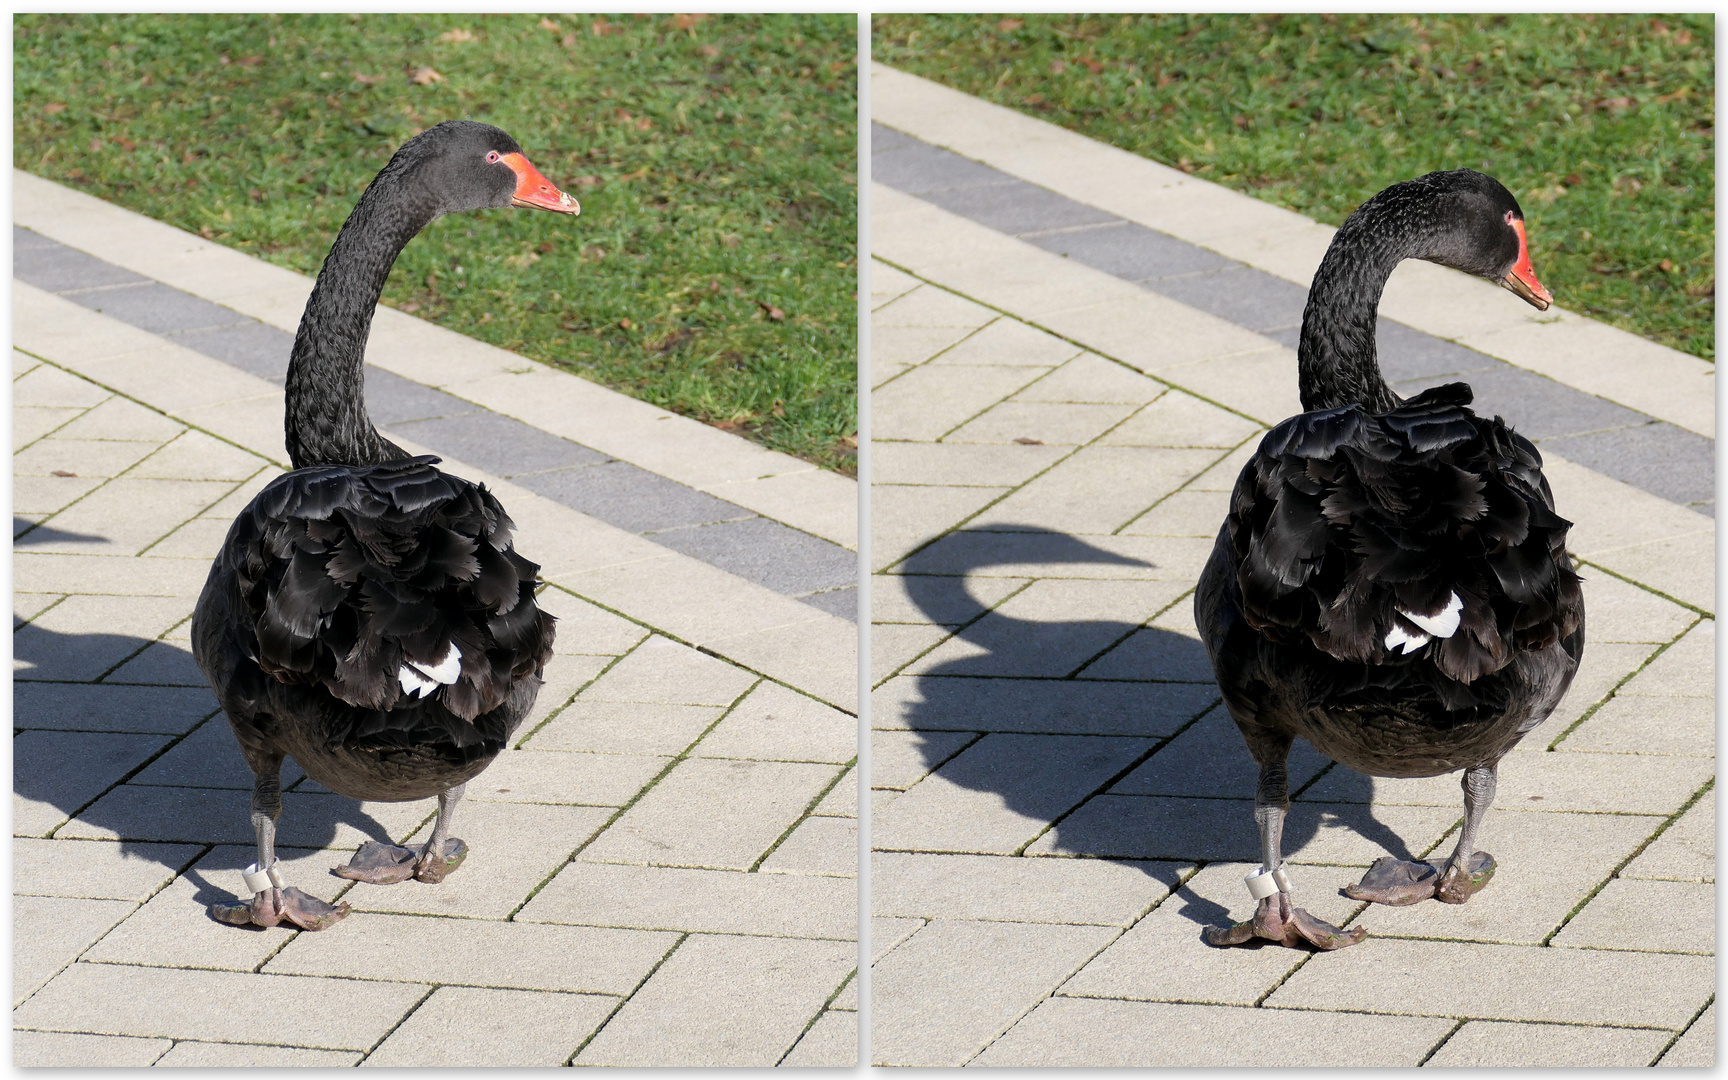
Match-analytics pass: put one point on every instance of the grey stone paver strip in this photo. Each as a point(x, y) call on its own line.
point(948, 990)
point(1075, 1031)
point(53, 1049)
point(727, 1000)
point(467, 1026)
point(1045, 591)
point(131, 782)
point(1495, 1043)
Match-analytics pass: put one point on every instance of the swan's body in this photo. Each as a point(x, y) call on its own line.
point(368, 615)
point(1391, 583)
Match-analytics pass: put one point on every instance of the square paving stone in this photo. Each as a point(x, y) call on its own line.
point(1535, 780)
point(1657, 916)
point(894, 645)
point(842, 798)
point(1493, 1044)
point(1077, 891)
point(1153, 653)
point(175, 928)
point(1510, 982)
point(952, 988)
point(56, 773)
point(928, 402)
point(1156, 827)
point(165, 710)
point(1621, 611)
point(998, 794)
point(831, 1042)
point(512, 849)
point(464, 1026)
point(589, 628)
point(1099, 489)
point(223, 815)
point(160, 664)
point(560, 777)
point(621, 727)
point(50, 932)
point(1050, 423)
point(1636, 724)
point(53, 1049)
point(190, 1054)
point(209, 757)
point(1074, 1031)
point(1050, 630)
point(1012, 343)
point(95, 869)
point(479, 952)
point(699, 901)
point(1686, 851)
point(116, 999)
point(899, 759)
point(714, 813)
point(776, 723)
point(1064, 707)
point(664, 672)
point(1209, 759)
point(1548, 864)
point(1164, 958)
point(960, 463)
point(819, 845)
point(82, 637)
point(724, 1000)
point(1687, 667)
point(83, 457)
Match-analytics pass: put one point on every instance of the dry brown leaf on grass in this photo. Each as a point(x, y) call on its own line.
point(686, 22)
point(54, 107)
point(368, 80)
point(548, 24)
point(425, 77)
point(1008, 26)
point(458, 34)
point(774, 314)
point(710, 51)
point(600, 28)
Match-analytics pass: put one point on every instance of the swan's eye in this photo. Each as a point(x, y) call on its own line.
point(1510, 217)
point(495, 156)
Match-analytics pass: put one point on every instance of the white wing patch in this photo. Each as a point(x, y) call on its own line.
point(421, 679)
point(1411, 642)
point(1445, 624)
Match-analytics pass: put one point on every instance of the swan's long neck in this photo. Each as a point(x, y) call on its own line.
point(1336, 363)
point(326, 421)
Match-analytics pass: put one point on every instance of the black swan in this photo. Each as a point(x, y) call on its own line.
point(1391, 583)
point(367, 614)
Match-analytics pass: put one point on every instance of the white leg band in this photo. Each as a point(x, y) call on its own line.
point(258, 880)
point(1263, 883)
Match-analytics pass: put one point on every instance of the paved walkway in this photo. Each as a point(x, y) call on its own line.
point(664, 865)
point(1060, 803)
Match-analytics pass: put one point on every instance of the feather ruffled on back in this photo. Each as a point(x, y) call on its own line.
point(349, 574)
point(1360, 533)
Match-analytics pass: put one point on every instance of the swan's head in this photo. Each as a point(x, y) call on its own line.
point(1477, 227)
point(472, 166)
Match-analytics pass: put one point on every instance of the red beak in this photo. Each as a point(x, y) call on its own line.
point(1521, 279)
point(536, 191)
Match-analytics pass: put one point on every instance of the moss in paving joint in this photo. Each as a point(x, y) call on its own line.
point(1678, 1035)
point(958, 631)
point(805, 1030)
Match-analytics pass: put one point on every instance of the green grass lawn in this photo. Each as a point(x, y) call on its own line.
point(1602, 125)
point(713, 270)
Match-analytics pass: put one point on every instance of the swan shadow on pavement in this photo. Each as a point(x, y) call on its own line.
point(154, 765)
point(1144, 765)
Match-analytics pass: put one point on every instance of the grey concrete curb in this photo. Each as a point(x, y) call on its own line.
point(1630, 446)
point(815, 571)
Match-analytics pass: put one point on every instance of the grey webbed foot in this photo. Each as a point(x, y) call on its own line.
point(1397, 883)
point(272, 907)
point(1278, 919)
point(387, 864)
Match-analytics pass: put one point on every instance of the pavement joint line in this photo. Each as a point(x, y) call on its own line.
point(809, 811)
point(1648, 464)
point(1678, 1035)
point(1592, 564)
point(625, 999)
point(952, 634)
point(1614, 691)
point(811, 557)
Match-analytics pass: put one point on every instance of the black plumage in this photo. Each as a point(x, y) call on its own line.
point(1391, 582)
point(368, 614)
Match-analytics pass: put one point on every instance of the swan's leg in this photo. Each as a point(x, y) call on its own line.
point(387, 864)
point(443, 853)
point(273, 903)
point(1277, 918)
point(1396, 882)
point(1468, 870)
